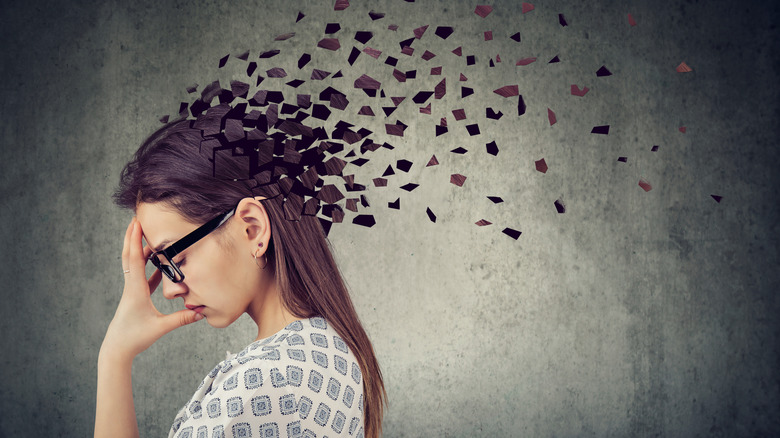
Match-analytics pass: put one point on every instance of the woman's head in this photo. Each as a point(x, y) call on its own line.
point(171, 185)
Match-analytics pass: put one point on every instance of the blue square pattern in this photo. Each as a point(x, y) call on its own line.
point(309, 434)
point(213, 409)
point(277, 378)
point(334, 387)
point(295, 326)
point(349, 396)
point(271, 355)
point(294, 430)
point(296, 354)
point(185, 433)
point(269, 430)
point(319, 340)
point(231, 383)
point(195, 409)
point(340, 344)
point(353, 424)
point(234, 406)
point(320, 358)
point(360, 433)
point(242, 430)
point(315, 381)
point(318, 322)
point(295, 339)
point(261, 405)
point(203, 432)
point(356, 373)
point(287, 404)
point(340, 364)
point(304, 407)
point(294, 375)
point(218, 432)
point(339, 420)
point(253, 378)
point(322, 414)
point(177, 424)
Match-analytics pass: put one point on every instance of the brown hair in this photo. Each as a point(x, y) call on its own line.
point(171, 167)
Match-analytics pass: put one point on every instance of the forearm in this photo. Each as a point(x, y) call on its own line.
point(115, 411)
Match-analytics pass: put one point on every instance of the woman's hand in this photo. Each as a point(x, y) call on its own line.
point(137, 324)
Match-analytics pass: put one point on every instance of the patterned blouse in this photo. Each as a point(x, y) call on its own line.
point(301, 382)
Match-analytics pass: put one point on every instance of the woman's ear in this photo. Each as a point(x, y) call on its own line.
point(256, 225)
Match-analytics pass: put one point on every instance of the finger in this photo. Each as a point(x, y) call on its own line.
point(126, 246)
point(179, 319)
point(136, 261)
point(154, 281)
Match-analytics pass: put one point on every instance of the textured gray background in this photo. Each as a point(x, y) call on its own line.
point(642, 314)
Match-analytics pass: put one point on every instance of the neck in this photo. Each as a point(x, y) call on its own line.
point(269, 313)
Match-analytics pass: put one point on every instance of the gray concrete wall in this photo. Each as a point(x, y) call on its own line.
point(632, 314)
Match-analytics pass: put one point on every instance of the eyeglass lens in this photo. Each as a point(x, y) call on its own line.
point(166, 267)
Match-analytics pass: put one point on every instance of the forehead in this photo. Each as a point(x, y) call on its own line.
point(161, 225)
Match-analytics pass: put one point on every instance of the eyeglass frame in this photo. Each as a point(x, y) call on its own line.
point(185, 242)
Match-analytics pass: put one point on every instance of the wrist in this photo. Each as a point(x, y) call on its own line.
point(112, 357)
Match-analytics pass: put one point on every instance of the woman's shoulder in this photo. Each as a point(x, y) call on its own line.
point(305, 369)
point(303, 345)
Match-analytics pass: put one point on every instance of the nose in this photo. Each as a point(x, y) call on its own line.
point(173, 290)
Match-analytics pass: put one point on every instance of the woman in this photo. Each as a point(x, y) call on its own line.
point(226, 246)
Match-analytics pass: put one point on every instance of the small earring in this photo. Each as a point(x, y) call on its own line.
point(266, 261)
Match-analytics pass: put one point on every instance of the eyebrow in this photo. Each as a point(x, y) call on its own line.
point(162, 245)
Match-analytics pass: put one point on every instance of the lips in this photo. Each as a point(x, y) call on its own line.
point(195, 308)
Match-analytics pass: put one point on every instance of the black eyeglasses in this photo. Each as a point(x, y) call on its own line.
point(163, 259)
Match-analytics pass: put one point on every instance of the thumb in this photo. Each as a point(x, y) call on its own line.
point(179, 319)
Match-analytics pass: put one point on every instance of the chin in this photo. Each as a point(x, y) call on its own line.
point(218, 322)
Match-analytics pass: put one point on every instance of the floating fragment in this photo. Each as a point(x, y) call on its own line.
point(645, 185)
point(284, 36)
point(717, 198)
point(420, 31)
point(577, 91)
point(457, 179)
point(525, 61)
point(631, 20)
point(603, 72)
point(329, 44)
point(511, 233)
point(363, 36)
point(603, 129)
point(559, 207)
point(372, 52)
point(430, 214)
point(495, 199)
point(551, 116)
point(483, 10)
point(492, 148)
point(541, 165)
point(482, 223)
point(683, 68)
point(507, 90)
point(432, 162)
point(444, 32)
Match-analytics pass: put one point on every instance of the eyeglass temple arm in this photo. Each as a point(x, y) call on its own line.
point(197, 234)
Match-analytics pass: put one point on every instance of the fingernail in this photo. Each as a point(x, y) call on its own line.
point(198, 317)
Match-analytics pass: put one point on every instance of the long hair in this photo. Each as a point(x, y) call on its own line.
point(171, 167)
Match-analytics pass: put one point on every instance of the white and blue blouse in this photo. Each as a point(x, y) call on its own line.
point(301, 382)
